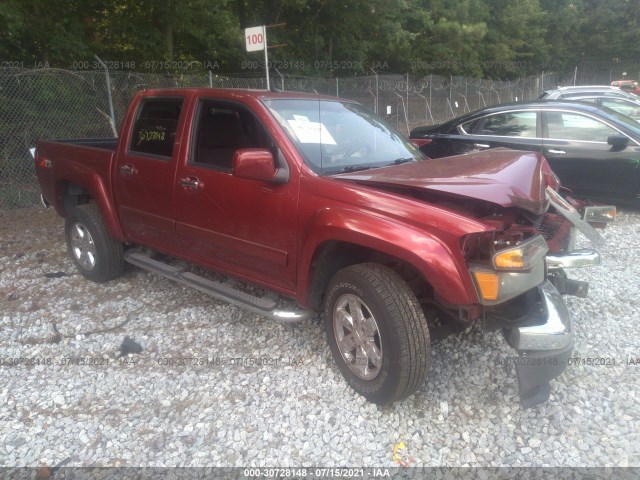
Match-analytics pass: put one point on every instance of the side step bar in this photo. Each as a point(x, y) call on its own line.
point(265, 306)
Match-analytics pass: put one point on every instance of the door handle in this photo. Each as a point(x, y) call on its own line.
point(481, 145)
point(557, 152)
point(128, 170)
point(191, 183)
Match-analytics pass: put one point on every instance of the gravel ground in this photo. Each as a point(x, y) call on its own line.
point(147, 409)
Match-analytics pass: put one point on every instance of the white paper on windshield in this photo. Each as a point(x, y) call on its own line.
point(311, 132)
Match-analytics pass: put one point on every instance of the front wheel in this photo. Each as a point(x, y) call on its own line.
point(377, 332)
point(96, 254)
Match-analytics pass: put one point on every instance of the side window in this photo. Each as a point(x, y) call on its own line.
point(586, 99)
point(469, 126)
point(572, 126)
point(221, 129)
point(512, 124)
point(154, 131)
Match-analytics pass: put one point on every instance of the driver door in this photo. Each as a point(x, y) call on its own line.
point(245, 226)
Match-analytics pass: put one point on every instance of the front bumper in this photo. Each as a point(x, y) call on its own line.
point(585, 257)
point(550, 325)
point(544, 344)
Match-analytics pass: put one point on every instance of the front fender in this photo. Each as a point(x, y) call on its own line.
point(440, 264)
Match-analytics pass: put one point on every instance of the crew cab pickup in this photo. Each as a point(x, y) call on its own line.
point(321, 207)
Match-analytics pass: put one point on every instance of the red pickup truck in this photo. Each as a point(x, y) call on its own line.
point(320, 206)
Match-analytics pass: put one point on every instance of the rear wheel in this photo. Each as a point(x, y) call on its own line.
point(377, 332)
point(96, 254)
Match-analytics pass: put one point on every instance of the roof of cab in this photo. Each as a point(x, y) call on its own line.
point(238, 93)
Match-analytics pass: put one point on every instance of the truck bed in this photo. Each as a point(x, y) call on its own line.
point(81, 161)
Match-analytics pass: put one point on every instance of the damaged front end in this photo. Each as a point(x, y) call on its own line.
point(519, 273)
point(518, 265)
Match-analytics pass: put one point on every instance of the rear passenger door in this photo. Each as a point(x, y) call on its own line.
point(145, 169)
point(519, 130)
point(244, 226)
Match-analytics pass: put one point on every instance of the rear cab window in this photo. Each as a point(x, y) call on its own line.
point(155, 126)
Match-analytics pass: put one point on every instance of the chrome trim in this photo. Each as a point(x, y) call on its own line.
point(555, 333)
point(45, 203)
point(585, 257)
point(289, 316)
point(545, 109)
point(571, 214)
point(571, 243)
point(507, 136)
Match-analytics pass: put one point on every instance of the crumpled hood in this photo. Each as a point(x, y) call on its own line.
point(506, 177)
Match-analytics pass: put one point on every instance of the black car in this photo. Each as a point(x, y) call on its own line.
point(594, 151)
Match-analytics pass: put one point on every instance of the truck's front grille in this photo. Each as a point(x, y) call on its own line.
point(556, 230)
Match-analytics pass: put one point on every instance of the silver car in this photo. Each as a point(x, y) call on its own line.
point(568, 93)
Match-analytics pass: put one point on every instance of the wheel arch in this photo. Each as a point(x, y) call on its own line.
point(428, 266)
point(333, 255)
point(71, 192)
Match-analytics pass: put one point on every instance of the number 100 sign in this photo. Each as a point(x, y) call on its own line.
point(254, 38)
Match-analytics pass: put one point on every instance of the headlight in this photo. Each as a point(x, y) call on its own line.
point(600, 214)
point(521, 257)
point(512, 272)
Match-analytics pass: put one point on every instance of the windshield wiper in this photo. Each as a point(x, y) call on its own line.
point(399, 161)
point(355, 168)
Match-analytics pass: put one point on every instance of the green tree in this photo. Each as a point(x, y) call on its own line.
point(515, 40)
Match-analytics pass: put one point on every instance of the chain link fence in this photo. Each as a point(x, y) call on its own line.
point(56, 104)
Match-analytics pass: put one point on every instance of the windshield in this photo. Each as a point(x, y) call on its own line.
point(336, 137)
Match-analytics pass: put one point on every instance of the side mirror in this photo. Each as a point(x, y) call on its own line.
point(255, 164)
point(618, 142)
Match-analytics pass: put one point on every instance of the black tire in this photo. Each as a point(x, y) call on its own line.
point(402, 332)
point(107, 260)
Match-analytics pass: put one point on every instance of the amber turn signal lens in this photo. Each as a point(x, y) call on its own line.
point(523, 256)
point(488, 284)
point(511, 259)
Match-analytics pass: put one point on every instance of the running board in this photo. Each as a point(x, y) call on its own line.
point(265, 306)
